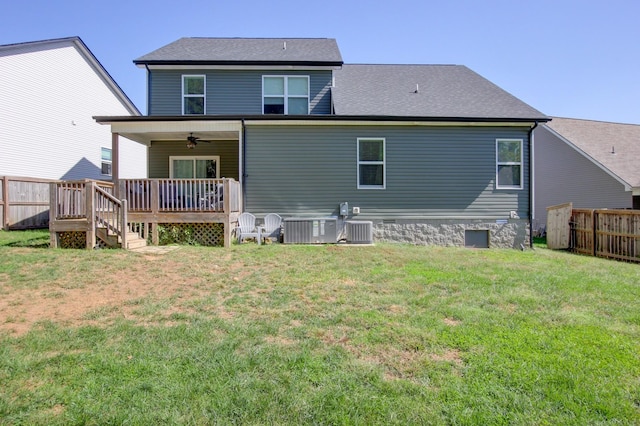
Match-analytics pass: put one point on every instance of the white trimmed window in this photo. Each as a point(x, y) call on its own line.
point(285, 94)
point(193, 94)
point(198, 167)
point(105, 154)
point(509, 164)
point(371, 163)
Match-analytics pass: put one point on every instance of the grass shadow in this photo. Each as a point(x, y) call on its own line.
point(25, 239)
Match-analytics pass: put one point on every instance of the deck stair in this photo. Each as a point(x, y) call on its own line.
point(133, 239)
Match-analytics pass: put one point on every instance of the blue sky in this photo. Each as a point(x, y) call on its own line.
point(567, 58)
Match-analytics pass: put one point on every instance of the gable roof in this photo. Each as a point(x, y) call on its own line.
point(246, 51)
point(613, 146)
point(445, 91)
point(17, 48)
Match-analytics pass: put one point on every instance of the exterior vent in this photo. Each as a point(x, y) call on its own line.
point(310, 231)
point(359, 232)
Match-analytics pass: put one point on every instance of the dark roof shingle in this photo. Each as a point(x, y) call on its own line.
point(447, 91)
point(313, 51)
point(615, 146)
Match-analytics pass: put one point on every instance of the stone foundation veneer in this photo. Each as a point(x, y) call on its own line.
point(515, 233)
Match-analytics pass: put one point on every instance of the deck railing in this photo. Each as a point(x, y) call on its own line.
point(70, 198)
point(111, 213)
point(181, 195)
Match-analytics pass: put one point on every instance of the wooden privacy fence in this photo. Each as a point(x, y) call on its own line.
point(605, 233)
point(24, 202)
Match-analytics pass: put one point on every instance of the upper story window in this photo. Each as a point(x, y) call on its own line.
point(509, 163)
point(371, 163)
point(285, 94)
point(193, 94)
point(105, 154)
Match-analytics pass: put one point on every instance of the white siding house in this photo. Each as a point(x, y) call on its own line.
point(49, 92)
point(592, 164)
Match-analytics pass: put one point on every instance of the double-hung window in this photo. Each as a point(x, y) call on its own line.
point(371, 163)
point(509, 163)
point(285, 94)
point(105, 154)
point(193, 94)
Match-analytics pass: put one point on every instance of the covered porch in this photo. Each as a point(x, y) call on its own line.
point(193, 182)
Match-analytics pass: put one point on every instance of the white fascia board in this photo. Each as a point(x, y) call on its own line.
point(239, 67)
point(384, 123)
point(106, 77)
point(627, 186)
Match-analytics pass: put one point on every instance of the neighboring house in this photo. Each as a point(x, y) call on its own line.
point(592, 164)
point(49, 92)
point(430, 154)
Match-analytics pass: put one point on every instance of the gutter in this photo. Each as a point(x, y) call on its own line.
point(531, 183)
point(321, 118)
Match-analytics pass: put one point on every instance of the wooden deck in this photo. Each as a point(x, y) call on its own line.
point(147, 204)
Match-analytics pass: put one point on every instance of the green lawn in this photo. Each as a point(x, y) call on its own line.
point(285, 334)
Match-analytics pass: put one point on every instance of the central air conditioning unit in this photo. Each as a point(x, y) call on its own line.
point(359, 232)
point(310, 230)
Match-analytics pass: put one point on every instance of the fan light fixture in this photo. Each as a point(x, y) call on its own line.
point(192, 141)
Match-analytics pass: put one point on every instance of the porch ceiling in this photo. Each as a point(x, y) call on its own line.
point(145, 132)
point(147, 137)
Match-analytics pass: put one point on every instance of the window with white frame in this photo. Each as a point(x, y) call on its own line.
point(105, 154)
point(193, 94)
point(509, 163)
point(285, 94)
point(371, 163)
point(198, 167)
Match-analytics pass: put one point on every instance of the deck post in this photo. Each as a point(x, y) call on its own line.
point(227, 211)
point(89, 189)
point(155, 207)
point(125, 225)
point(115, 162)
point(53, 208)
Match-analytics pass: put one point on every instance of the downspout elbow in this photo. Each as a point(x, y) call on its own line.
point(244, 164)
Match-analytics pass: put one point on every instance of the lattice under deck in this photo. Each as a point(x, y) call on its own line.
point(72, 239)
point(205, 234)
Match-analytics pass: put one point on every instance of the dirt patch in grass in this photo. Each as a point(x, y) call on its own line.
point(77, 300)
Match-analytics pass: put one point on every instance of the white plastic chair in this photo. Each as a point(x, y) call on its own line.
point(271, 227)
point(247, 228)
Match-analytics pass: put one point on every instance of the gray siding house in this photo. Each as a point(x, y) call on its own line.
point(429, 154)
point(592, 164)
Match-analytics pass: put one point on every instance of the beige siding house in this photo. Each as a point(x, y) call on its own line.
point(49, 92)
point(592, 164)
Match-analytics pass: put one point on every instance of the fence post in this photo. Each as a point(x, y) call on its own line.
point(4, 200)
point(594, 222)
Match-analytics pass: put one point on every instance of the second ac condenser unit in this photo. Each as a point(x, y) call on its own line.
point(359, 232)
point(310, 230)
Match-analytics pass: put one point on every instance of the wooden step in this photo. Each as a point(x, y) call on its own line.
point(134, 242)
point(133, 239)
